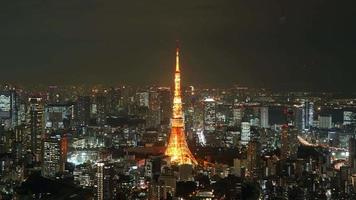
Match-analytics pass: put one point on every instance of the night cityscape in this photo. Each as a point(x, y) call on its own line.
point(186, 100)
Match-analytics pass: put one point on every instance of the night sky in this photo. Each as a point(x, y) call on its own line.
point(279, 44)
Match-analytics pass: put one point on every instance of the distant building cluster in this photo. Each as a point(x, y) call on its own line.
point(109, 142)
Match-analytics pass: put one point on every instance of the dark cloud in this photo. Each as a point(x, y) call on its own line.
point(305, 44)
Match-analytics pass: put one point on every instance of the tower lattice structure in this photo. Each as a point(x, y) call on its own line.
point(177, 148)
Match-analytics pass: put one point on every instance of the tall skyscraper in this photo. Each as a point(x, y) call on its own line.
point(264, 117)
point(177, 148)
point(154, 117)
point(349, 118)
point(237, 114)
point(209, 114)
point(36, 114)
point(8, 108)
point(101, 109)
point(83, 110)
point(105, 181)
point(308, 114)
point(143, 99)
point(165, 104)
point(100, 181)
point(289, 142)
point(245, 132)
point(52, 159)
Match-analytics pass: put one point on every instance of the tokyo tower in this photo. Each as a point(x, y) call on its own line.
point(177, 148)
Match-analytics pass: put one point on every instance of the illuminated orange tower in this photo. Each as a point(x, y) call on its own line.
point(177, 148)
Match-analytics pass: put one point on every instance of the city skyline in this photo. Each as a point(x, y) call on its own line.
point(177, 100)
point(305, 45)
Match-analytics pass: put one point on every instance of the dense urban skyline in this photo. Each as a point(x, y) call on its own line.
point(305, 45)
point(185, 100)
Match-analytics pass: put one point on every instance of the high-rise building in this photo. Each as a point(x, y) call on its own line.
point(245, 133)
point(143, 99)
point(299, 119)
point(264, 117)
point(101, 109)
point(83, 110)
point(289, 142)
point(154, 115)
point(308, 114)
point(8, 109)
point(349, 118)
point(237, 115)
point(177, 148)
point(253, 157)
point(209, 114)
point(105, 181)
point(21, 119)
point(113, 100)
point(100, 181)
point(165, 104)
point(36, 117)
point(52, 162)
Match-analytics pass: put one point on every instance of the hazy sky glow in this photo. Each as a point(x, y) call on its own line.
point(305, 44)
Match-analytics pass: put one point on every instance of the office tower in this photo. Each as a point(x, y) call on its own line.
point(253, 156)
point(264, 117)
point(142, 99)
point(83, 110)
point(113, 100)
point(245, 132)
point(100, 108)
point(165, 104)
point(177, 148)
point(307, 114)
point(237, 114)
point(289, 142)
point(349, 118)
point(222, 114)
point(7, 139)
point(36, 122)
point(52, 158)
point(325, 122)
point(21, 114)
point(8, 109)
point(20, 140)
point(154, 116)
point(209, 114)
point(100, 181)
point(107, 182)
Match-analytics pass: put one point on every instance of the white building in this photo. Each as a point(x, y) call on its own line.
point(209, 114)
point(245, 133)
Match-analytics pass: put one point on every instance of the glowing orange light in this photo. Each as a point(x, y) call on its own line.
point(177, 148)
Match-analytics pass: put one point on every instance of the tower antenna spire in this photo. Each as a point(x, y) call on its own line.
point(177, 56)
